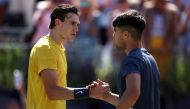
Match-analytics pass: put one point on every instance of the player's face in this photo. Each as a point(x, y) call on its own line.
point(118, 38)
point(69, 28)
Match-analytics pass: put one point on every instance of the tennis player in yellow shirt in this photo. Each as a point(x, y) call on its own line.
point(47, 85)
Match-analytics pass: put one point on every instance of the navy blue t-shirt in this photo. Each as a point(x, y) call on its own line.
point(142, 62)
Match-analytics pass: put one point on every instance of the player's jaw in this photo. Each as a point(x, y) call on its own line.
point(72, 37)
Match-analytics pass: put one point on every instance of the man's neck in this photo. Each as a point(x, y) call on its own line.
point(56, 38)
point(132, 46)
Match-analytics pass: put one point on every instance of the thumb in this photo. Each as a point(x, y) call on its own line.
point(100, 82)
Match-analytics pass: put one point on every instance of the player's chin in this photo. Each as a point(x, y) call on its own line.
point(71, 39)
point(115, 45)
point(118, 46)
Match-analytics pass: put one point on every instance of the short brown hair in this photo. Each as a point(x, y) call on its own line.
point(60, 12)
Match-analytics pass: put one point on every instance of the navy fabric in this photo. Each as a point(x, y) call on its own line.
point(141, 62)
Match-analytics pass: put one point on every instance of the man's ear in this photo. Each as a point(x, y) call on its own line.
point(57, 22)
point(125, 35)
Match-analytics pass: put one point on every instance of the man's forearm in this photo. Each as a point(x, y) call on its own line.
point(66, 93)
point(60, 93)
point(126, 102)
point(112, 99)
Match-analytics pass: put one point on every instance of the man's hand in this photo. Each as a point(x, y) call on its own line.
point(99, 89)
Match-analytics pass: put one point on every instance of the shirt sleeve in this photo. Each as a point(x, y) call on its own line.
point(131, 65)
point(46, 59)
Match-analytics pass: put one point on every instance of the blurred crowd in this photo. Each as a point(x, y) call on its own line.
point(92, 55)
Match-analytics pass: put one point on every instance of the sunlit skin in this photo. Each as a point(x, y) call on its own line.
point(123, 40)
point(61, 33)
point(118, 38)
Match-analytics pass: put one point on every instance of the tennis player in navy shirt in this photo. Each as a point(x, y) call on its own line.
point(138, 78)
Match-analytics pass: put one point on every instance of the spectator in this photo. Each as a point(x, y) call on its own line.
point(160, 32)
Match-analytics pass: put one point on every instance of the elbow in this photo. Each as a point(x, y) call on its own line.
point(136, 94)
point(51, 95)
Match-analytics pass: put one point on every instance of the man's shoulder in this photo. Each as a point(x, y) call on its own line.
point(133, 60)
point(136, 55)
point(43, 45)
point(43, 42)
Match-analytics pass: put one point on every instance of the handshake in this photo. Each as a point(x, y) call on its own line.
point(99, 90)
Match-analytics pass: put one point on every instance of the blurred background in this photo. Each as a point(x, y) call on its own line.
point(92, 55)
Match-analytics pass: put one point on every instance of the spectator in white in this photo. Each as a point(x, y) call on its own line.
point(24, 7)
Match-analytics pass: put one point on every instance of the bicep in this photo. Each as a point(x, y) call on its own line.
point(131, 92)
point(53, 91)
point(133, 82)
point(49, 78)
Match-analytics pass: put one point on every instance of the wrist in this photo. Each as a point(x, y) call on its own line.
point(80, 93)
point(107, 96)
point(91, 94)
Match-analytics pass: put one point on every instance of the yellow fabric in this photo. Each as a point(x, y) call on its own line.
point(156, 42)
point(164, 61)
point(46, 54)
